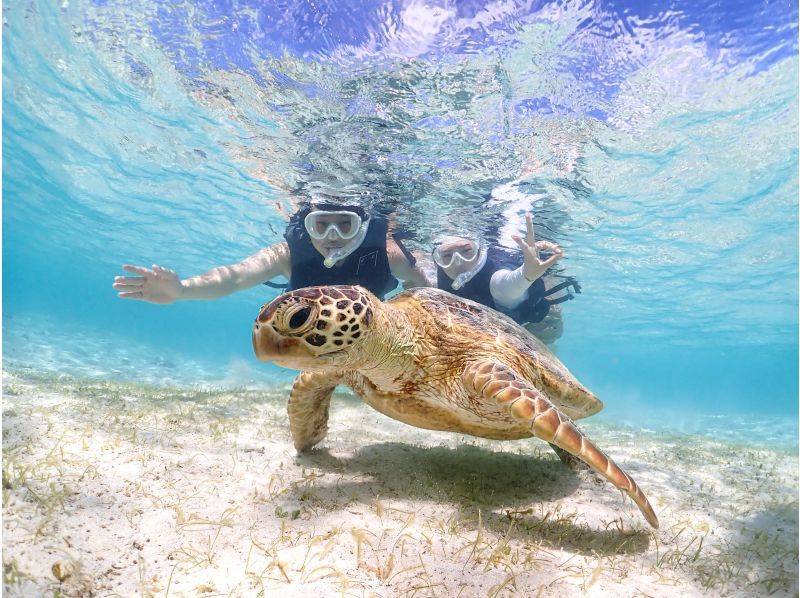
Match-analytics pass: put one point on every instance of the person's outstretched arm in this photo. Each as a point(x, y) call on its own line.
point(410, 276)
point(162, 285)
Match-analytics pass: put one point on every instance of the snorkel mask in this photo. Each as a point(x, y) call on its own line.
point(460, 252)
point(337, 224)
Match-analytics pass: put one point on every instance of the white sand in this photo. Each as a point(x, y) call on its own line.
point(121, 490)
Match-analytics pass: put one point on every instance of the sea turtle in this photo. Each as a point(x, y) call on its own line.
point(432, 360)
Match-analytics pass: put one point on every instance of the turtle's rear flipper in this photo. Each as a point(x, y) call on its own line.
point(571, 461)
point(493, 381)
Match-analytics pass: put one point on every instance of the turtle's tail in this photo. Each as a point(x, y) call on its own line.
point(526, 404)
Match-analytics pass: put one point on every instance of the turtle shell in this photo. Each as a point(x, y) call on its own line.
point(512, 344)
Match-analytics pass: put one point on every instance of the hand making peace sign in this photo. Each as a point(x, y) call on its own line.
point(535, 267)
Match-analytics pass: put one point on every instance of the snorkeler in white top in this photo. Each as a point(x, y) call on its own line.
point(470, 269)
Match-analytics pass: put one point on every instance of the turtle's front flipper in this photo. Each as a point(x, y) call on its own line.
point(497, 382)
point(308, 407)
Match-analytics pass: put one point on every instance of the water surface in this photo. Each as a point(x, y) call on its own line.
point(658, 145)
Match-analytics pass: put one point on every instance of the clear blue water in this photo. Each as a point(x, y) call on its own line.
point(660, 141)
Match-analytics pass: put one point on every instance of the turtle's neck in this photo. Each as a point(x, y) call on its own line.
point(390, 350)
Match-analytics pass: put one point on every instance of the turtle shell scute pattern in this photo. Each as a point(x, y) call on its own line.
point(486, 322)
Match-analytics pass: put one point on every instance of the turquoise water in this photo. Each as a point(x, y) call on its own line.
point(659, 141)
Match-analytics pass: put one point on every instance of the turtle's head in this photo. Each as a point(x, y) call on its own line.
point(315, 328)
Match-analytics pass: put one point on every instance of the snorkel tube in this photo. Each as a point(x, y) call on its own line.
point(339, 253)
point(465, 277)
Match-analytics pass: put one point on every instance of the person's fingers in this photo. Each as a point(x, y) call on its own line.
point(540, 245)
point(527, 250)
point(529, 223)
point(531, 251)
point(548, 245)
point(137, 270)
point(552, 260)
point(127, 287)
point(129, 281)
point(162, 270)
point(131, 295)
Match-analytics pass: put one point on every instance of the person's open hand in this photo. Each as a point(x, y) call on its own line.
point(156, 284)
point(533, 266)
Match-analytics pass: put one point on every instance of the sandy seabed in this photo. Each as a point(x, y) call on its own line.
point(122, 490)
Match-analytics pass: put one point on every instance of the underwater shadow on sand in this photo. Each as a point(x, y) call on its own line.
point(507, 488)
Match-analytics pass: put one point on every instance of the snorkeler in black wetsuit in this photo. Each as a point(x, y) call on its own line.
point(365, 261)
point(325, 244)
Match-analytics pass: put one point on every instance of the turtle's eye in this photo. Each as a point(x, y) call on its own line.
point(299, 317)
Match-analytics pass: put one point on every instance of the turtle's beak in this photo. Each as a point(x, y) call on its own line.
point(289, 352)
point(271, 346)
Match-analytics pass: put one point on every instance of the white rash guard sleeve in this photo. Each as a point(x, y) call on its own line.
point(509, 288)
